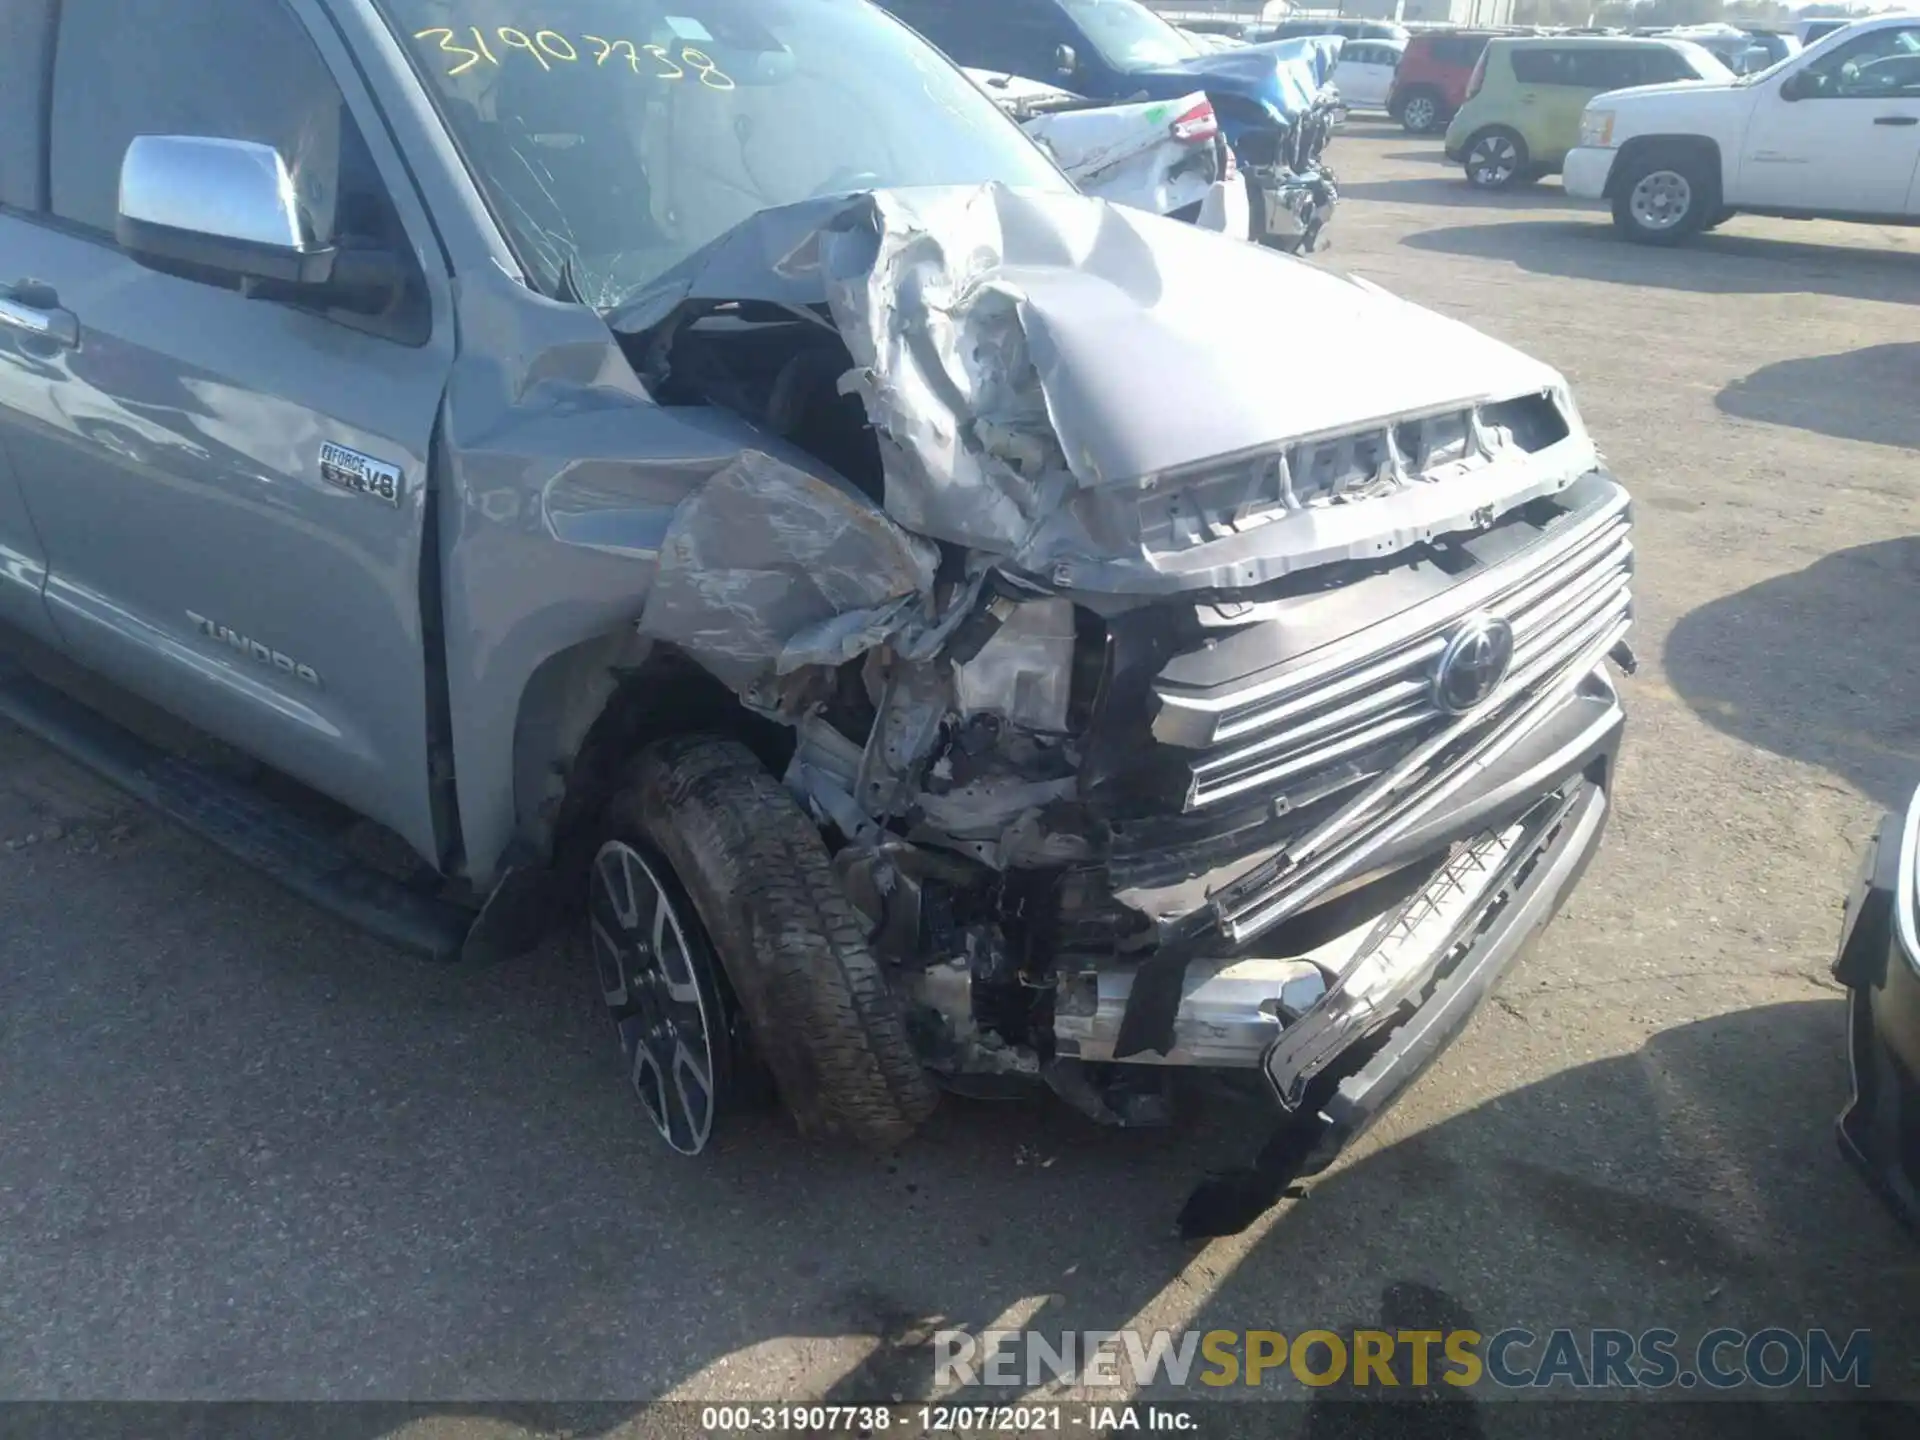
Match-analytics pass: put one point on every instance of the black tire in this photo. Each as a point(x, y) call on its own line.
point(792, 947)
point(1496, 159)
point(1421, 112)
point(1665, 197)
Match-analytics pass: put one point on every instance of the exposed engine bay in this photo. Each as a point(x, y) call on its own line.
point(1132, 677)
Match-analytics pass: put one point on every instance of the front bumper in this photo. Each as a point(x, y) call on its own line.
point(1290, 211)
point(1226, 207)
point(1325, 1106)
point(1584, 172)
point(1879, 963)
point(1304, 1011)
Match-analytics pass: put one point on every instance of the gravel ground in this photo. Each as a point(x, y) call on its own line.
point(245, 1153)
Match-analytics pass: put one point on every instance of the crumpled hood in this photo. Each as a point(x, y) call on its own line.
point(1281, 76)
point(1046, 372)
point(1157, 346)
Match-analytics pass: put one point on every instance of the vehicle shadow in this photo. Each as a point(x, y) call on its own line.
point(1716, 264)
point(1869, 394)
point(1692, 1184)
point(1452, 189)
point(1821, 665)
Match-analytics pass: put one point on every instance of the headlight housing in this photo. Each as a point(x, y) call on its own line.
point(1024, 673)
point(1596, 127)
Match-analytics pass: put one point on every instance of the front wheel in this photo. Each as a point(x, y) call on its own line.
point(1663, 199)
point(723, 942)
point(1496, 159)
point(1420, 114)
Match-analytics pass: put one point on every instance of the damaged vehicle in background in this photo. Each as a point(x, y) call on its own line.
point(1274, 102)
point(1165, 156)
point(920, 626)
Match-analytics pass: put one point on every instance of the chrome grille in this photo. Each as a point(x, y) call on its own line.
point(1358, 706)
point(1348, 735)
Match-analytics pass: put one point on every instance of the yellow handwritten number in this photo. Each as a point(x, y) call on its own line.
point(446, 44)
point(672, 72)
point(547, 40)
point(703, 66)
point(481, 41)
point(519, 40)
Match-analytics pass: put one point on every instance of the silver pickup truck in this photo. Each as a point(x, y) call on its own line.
point(693, 474)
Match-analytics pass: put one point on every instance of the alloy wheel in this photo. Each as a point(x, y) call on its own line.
point(656, 975)
point(1660, 200)
point(1493, 161)
point(1418, 114)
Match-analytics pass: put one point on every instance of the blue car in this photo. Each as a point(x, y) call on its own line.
point(1272, 99)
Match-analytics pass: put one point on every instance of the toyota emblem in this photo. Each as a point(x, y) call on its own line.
point(1473, 664)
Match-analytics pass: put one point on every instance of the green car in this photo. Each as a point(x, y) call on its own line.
point(1522, 112)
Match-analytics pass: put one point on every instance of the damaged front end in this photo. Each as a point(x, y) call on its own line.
point(1195, 659)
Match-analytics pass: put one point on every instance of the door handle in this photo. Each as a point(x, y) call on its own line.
point(1896, 119)
point(33, 309)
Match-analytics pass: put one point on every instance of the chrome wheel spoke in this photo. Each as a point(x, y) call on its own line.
point(1661, 199)
point(663, 1004)
point(609, 963)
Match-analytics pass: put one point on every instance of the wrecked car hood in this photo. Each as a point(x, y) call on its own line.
point(1046, 373)
point(1283, 76)
point(1159, 346)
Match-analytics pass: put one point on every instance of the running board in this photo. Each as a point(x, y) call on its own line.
point(284, 846)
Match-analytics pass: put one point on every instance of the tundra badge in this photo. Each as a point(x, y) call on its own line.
point(362, 474)
point(253, 649)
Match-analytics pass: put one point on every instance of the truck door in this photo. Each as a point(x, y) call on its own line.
point(232, 491)
point(26, 38)
point(1840, 133)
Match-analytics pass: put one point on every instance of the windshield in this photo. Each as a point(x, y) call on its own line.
point(1128, 35)
point(613, 138)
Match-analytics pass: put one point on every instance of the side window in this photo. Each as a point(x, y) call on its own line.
point(1601, 69)
point(232, 69)
point(992, 34)
point(1875, 67)
point(1463, 50)
point(26, 37)
point(1657, 67)
point(1540, 66)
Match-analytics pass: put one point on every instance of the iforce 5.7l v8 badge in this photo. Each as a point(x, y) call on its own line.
point(362, 474)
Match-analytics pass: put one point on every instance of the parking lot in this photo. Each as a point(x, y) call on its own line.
point(245, 1153)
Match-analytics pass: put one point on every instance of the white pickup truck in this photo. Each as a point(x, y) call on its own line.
point(1833, 131)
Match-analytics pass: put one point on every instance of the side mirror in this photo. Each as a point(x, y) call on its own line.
point(1065, 61)
point(1755, 57)
point(229, 208)
point(1795, 86)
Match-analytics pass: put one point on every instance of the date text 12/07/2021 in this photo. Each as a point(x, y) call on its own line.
point(946, 1419)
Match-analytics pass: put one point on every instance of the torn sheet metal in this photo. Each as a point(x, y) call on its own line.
point(1126, 153)
point(765, 569)
point(1035, 364)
